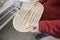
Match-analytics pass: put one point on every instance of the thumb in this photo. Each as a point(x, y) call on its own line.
point(36, 0)
point(35, 29)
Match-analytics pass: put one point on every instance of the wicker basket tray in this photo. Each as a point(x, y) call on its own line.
point(27, 16)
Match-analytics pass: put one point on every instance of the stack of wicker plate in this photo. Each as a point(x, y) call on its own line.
point(27, 16)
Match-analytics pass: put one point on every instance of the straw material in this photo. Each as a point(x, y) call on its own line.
point(27, 16)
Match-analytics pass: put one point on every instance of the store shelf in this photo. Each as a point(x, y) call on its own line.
point(7, 5)
point(7, 18)
point(8, 12)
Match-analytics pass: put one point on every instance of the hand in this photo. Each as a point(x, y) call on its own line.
point(36, 0)
point(35, 29)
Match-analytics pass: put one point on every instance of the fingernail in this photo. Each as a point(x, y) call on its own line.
point(34, 28)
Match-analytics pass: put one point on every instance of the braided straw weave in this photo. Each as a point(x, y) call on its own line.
point(27, 16)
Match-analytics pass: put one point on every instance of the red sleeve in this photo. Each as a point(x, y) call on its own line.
point(42, 1)
point(50, 27)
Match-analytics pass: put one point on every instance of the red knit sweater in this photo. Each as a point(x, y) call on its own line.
point(50, 20)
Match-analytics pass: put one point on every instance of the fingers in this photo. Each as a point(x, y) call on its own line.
point(36, 1)
point(34, 30)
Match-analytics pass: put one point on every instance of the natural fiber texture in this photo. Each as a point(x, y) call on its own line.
point(27, 16)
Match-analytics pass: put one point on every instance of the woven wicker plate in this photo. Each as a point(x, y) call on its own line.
point(27, 16)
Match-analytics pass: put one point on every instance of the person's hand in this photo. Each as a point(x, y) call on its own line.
point(35, 29)
point(36, 0)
